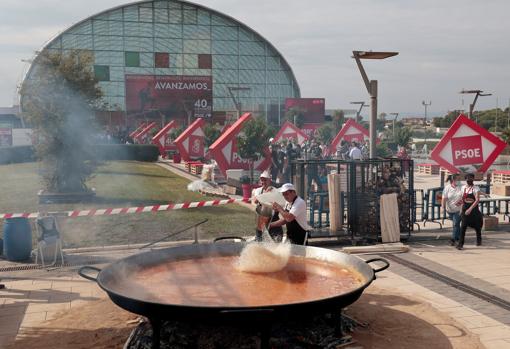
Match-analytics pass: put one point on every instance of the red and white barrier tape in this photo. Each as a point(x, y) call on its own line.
point(129, 210)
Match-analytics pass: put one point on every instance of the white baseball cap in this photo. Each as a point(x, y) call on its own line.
point(265, 174)
point(287, 187)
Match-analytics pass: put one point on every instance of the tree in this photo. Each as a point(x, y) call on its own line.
point(403, 136)
point(505, 135)
point(58, 100)
point(296, 116)
point(253, 141)
point(325, 133)
point(338, 120)
point(212, 133)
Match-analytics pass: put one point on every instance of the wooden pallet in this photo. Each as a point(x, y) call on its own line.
point(501, 176)
point(187, 165)
point(196, 169)
point(429, 169)
point(478, 175)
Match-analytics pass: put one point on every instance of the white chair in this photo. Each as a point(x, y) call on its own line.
point(48, 235)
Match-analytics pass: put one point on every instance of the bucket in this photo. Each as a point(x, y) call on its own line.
point(246, 190)
point(17, 239)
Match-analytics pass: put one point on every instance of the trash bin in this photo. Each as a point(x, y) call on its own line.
point(17, 239)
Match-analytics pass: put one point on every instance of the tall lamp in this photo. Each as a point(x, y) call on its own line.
point(358, 113)
point(371, 86)
point(394, 119)
point(237, 102)
point(477, 93)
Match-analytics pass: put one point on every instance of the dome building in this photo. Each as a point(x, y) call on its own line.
point(166, 60)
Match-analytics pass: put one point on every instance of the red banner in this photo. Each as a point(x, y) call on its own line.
point(177, 94)
point(313, 109)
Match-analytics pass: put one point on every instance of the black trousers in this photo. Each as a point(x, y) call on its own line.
point(473, 220)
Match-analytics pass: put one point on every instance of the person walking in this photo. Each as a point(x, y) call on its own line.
point(452, 203)
point(470, 213)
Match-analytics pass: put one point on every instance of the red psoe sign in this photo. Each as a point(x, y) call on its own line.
point(290, 131)
point(467, 147)
point(162, 138)
point(352, 131)
point(190, 143)
point(141, 137)
point(224, 150)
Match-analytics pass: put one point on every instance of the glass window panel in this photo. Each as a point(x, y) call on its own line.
point(196, 32)
point(273, 77)
point(190, 16)
point(161, 30)
point(132, 59)
point(70, 41)
point(257, 90)
point(197, 46)
point(135, 70)
point(204, 17)
point(273, 63)
point(56, 43)
point(220, 90)
point(161, 15)
point(245, 34)
point(83, 28)
point(224, 76)
point(168, 45)
point(147, 59)
point(166, 71)
point(204, 61)
point(100, 27)
point(175, 15)
point(117, 73)
point(146, 30)
point(116, 27)
point(252, 62)
point(175, 31)
point(225, 47)
point(115, 15)
point(224, 33)
point(252, 76)
point(131, 13)
point(102, 57)
point(145, 14)
point(251, 48)
point(107, 43)
point(131, 28)
point(174, 4)
point(176, 60)
point(161, 60)
point(146, 44)
point(117, 57)
point(273, 91)
point(190, 61)
point(102, 72)
point(225, 61)
point(160, 4)
point(220, 20)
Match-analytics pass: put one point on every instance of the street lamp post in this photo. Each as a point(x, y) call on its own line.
point(358, 113)
point(371, 86)
point(394, 119)
point(425, 104)
point(478, 93)
point(237, 102)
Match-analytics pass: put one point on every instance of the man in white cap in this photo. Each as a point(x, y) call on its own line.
point(293, 215)
point(277, 232)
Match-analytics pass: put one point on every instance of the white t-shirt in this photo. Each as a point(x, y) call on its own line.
point(470, 190)
point(298, 209)
point(453, 198)
point(355, 153)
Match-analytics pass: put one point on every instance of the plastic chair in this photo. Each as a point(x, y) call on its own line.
point(48, 233)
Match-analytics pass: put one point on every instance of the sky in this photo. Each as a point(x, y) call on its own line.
point(444, 46)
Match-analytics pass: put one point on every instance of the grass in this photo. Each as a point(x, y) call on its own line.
point(124, 184)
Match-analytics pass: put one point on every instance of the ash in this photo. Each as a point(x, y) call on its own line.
point(320, 331)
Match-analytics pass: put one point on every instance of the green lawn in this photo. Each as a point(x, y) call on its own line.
point(124, 184)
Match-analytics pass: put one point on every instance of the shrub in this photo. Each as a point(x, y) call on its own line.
point(17, 154)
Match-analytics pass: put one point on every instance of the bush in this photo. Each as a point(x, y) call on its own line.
point(17, 154)
point(137, 152)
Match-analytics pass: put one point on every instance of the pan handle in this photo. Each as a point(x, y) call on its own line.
point(384, 267)
point(83, 275)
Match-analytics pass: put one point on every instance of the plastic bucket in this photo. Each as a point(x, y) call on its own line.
point(17, 239)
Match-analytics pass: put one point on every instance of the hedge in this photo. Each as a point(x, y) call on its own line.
point(137, 152)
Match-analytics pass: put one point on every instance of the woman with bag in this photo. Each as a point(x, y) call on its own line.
point(470, 214)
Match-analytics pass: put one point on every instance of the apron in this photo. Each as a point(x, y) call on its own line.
point(475, 218)
point(295, 233)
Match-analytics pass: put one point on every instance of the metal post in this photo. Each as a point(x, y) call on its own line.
point(373, 118)
point(195, 235)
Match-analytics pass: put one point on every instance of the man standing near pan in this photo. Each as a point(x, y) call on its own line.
point(277, 232)
point(293, 215)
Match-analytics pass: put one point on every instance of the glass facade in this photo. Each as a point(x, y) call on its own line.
point(173, 38)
